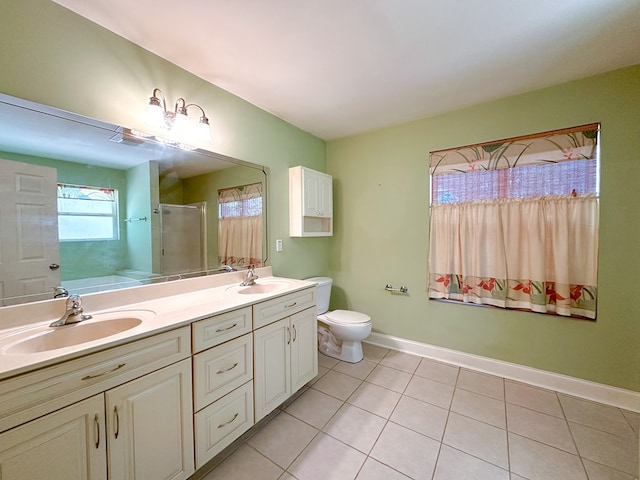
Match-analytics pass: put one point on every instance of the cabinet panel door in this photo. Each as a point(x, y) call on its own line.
point(272, 369)
point(304, 348)
point(65, 445)
point(325, 196)
point(150, 426)
point(311, 195)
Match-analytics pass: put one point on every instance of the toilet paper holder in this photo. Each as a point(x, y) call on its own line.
point(389, 288)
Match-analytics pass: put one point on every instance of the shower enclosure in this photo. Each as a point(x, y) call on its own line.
point(183, 238)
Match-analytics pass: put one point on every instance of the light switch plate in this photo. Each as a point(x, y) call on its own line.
point(278, 245)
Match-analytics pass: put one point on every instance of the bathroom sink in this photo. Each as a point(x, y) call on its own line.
point(260, 287)
point(102, 325)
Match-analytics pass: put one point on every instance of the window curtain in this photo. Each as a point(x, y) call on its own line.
point(510, 249)
point(240, 225)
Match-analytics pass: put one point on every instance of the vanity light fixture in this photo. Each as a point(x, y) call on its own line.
point(175, 121)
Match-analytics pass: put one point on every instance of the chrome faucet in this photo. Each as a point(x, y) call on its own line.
point(74, 313)
point(251, 277)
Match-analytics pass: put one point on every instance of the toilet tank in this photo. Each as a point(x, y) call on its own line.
point(324, 293)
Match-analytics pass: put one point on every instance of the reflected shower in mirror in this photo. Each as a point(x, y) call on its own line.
point(90, 206)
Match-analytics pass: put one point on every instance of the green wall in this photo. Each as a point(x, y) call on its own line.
point(381, 192)
point(53, 56)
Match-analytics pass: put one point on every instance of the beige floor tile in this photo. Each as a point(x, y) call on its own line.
point(538, 426)
point(421, 417)
point(456, 465)
point(438, 371)
point(601, 472)
point(633, 419)
point(337, 384)
point(481, 383)
point(375, 399)
point(536, 461)
point(327, 459)
point(430, 391)
point(359, 370)
point(287, 476)
point(406, 451)
point(245, 464)
point(356, 427)
point(374, 470)
point(401, 361)
point(314, 407)
point(596, 415)
point(479, 407)
point(321, 372)
point(390, 378)
point(517, 477)
point(326, 362)
point(282, 439)
point(478, 439)
point(538, 399)
point(606, 448)
point(373, 353)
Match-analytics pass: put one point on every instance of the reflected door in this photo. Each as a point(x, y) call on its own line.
point(29, 252)
point(183, 238)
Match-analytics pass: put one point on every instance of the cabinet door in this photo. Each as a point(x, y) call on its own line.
point(150, 426)
point(325, 196)
point(272, 366)
point(310, 194)
point(304, 348)
point(65, 445)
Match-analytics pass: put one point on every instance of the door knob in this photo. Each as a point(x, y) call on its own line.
point(54, 266)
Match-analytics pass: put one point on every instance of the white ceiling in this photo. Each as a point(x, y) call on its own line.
point(340, 67)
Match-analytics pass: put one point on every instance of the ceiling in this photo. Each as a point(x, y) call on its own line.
point(335, 68)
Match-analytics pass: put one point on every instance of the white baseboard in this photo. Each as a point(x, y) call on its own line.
point(598, 392)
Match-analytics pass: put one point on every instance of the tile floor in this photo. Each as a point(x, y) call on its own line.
point(396, 416)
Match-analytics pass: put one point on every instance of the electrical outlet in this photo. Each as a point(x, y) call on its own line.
point(278, 245)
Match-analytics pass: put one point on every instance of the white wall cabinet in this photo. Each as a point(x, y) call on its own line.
point(310, 203)
point(286, 358)
point(68, 444)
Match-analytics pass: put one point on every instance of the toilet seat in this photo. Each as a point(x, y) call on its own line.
point(346, 317)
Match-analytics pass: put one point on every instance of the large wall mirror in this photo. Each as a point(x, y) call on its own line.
point(90, 206)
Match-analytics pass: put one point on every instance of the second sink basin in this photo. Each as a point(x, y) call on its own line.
point(102, 325)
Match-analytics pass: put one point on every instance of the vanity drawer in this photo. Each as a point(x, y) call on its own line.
point(34, 394)
point(213, 331)
point(266, 312)
point(222, 422)
point(221, 369)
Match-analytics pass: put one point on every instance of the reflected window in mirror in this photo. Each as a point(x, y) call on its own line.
point(240, 225)
point(87, 213)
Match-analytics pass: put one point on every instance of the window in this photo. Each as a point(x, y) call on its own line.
point(514, 223)
point(87, 213)
point(240, 225)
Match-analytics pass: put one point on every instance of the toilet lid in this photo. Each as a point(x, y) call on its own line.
point(347, 316)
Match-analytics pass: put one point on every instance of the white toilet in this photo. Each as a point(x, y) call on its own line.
point(348, 327)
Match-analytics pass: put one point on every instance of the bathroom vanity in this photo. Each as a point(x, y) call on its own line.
point(157, 383)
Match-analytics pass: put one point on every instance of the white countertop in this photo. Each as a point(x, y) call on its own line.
point(161, 307)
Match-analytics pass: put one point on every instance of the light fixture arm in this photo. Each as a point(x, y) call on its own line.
point(176, 120)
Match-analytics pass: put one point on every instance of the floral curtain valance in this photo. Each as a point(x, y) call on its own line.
point(577, 143)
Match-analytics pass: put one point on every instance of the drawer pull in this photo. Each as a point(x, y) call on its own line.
point(288, 336)
point(117, 420)
point(97, 430)
point(291, 305)
point(89, 377)
point(218, 330)
point(295, 334)
point(227, 369)
point(230, 421)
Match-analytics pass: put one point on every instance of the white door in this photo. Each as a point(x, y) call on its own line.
point(272, 366)
point(65, 445)
point(304, 348)
point(29, 252)
point(150, 426)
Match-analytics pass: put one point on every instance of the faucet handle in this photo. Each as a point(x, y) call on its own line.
point(74, 301)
